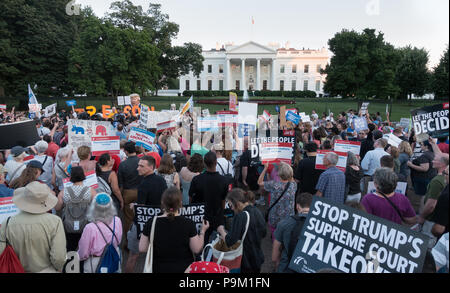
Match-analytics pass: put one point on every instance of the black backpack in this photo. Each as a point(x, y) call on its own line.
point(295, 235)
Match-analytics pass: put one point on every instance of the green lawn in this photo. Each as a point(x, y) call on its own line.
point(398, 109)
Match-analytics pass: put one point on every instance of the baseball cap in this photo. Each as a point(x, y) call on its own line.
point(36, 164)
point(17, 151)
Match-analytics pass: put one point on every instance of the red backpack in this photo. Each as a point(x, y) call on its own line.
point(9, 262)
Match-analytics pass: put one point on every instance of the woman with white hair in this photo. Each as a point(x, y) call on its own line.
point(15, 167)
point(47, 163)
point(63, 160)
point(104, 225)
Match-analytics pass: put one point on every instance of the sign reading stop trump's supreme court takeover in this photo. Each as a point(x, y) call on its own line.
point(349, 240)
point(432, 120)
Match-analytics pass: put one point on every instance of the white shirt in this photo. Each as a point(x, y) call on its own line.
point(11, 166)
point(226, 166)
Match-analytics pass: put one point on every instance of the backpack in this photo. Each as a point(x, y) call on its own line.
point(9, 262)
point(295, 234)
point(227, 175)
point(110, 258)
point(103, 186)
point(75, 212)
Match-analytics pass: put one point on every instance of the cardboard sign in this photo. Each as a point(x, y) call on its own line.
point(342, 162)
point(210, 123)
point(432, 120)
point(142, 137)
point(345, 146)
point(360, 124)
point(81, 131)
point(71, 103)
point(7, 209)
point(294, 118)
point(90, 181)
point(352, 241)
point(167, 125)
point(233, 101)
point(283, 117)
point(105, 144)
point(144, 214)
point(19, 133)
point(273, 149)
point(393, 140)
point(401, 187)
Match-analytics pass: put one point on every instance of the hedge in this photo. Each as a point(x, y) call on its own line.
point(287, 94)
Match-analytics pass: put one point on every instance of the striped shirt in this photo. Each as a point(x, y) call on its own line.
point(440, 252)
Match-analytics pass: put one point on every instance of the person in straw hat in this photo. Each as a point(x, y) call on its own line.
point(36, 235)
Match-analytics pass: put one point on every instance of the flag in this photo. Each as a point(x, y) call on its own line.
point(33, 105)
point(266, 116)
point(233, 101)
point(31, 97)
point(189, 105)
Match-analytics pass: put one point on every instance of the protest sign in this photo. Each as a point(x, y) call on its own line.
point(345, 146)
point(342, 162)
point(2, 106)
point(283, 117)
point(294, 118)
point(393, 140)
point(7, 209)
point(71, 103)
point(227, 118)
point(205, 112)
point(143, 118)
point(50, 110)
point(352, 241)
point(292, 110)
point(245, 129)
point(405, 122)
point(166, 125)
point(364, 108)
point(127, 100)
point(105, 144)
point(233, 101)
point(401, 187)
point(20, 133)
point(432, 120)
point(142, 137)
point(90, 181)
point(207, 124)
point(273, 149)
point(247, 113)
point(82, 131)
point(120, 100)
point(144, 214)
point(360, 124)
point(266, 116)
point(34, 108)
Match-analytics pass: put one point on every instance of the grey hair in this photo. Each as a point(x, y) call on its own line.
point(332, 158)
point(63, 152)
point(101, 213)
point(285, 171)
point(134, 95)
point(381, 142)
point(41, 146)
point(385, 180)
point(352, 159)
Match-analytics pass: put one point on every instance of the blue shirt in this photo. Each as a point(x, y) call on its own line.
point(371, 161)
point(5, 191)
point(332, 184)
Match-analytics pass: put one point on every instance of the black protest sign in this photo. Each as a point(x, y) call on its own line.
point(21, 133)
point(432, 120)
point(349, 240)
point(144, 214)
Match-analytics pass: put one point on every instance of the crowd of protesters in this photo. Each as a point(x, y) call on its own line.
point(54, 219)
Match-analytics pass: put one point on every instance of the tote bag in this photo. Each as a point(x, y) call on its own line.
point(148, 266)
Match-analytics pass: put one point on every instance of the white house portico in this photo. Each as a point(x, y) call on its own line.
point(256, 67)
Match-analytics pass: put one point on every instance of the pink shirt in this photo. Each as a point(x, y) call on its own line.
point(92, 242)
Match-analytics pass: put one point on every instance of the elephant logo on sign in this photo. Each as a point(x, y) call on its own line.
point(77, 129)
point(100, 130)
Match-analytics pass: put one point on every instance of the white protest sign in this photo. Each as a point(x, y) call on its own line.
point(167, 125)
point(364, 108)
point(347, 146)
point(142, 137)
point(394, 140)
point(105, 144)
point(50, 110)
point(342, 161)
point(90, 181)
point(127, 100)
point(205, 112)
point(401, 187)
point(275, 152)
point(210, 123)
point(143, 119)
point(81, 131)
point(248, 113)
point(7, 209)
point(120, 100)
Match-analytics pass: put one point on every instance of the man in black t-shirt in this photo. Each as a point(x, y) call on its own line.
point(248, 170)
point(306, 174)
point(440, 215)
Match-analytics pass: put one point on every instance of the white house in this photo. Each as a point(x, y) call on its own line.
point(256, 67)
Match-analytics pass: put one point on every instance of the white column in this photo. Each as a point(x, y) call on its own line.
point(273, 75)
point(258, 74)
point(243, 86)
point(228, 85)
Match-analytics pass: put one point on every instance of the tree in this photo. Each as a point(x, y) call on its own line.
point(412, 75)
point(440, 77)
point(363, 65)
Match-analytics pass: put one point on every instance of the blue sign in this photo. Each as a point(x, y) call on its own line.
point(360, 124)
point(277, 108)
point(294, 118)
point(244, 129)
point(71, 103)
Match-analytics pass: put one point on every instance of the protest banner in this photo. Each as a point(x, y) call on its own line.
point(393, 140)
point(349, 240)
point(432, 120)
point(7, 209)
point(105, 144)
point(360, 124)
point(144, 214)
point(364, 108)
point(2, 107)
point(81, 131)
point(345, 146)
point(342, 162)
point(142, 137)
point(293, 117)
point(50, 110)
point(233, 102)
point(205, 124)
point(90, 181)
point(227, 118)
point(71, 103)
point(19, 133)
point(401, 187)
point(166, 125)
point(273, 148)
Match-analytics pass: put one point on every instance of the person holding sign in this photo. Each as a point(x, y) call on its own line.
point(331, 183)
point(175, 237)
point(422, 169)
point(385, 202)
